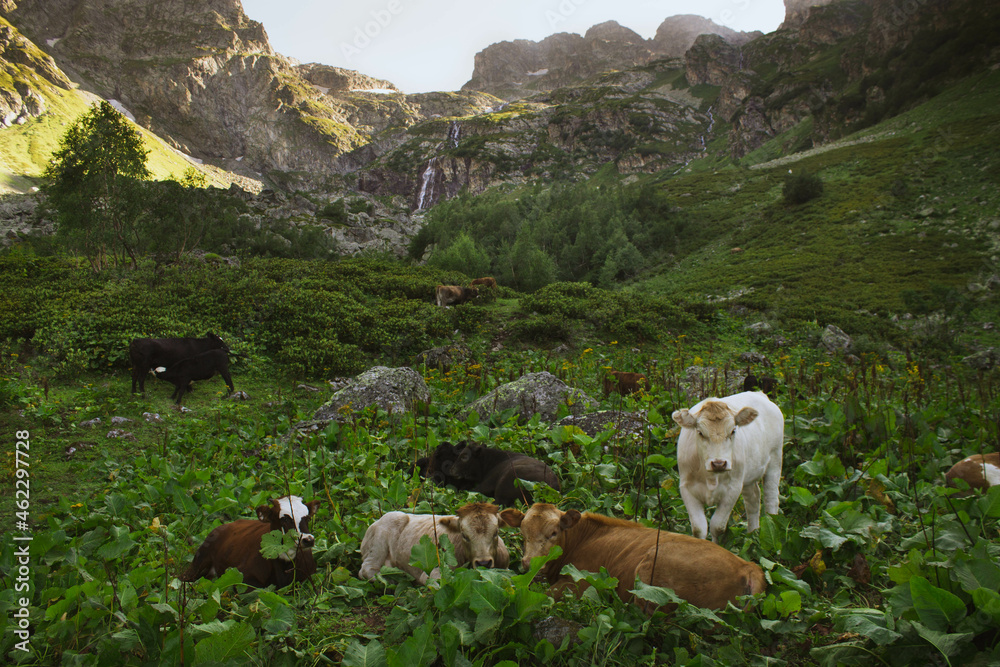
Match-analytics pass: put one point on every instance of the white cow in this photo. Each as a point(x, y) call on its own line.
point(473, 530)
point(726, 446)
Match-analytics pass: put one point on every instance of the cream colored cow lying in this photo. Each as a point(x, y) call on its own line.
point(473, 530)
point(726, 446)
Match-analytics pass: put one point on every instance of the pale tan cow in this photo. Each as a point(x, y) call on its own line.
point(473, 530)
point(728, 446)
point(701, 572)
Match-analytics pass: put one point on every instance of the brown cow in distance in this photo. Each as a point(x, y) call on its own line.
point(624, 383)
point(448, 295)
point(701, 572)
point(488, 283)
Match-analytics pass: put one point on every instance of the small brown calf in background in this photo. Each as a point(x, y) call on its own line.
point(624, 383)
point(484, 282)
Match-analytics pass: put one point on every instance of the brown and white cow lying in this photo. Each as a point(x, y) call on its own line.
point(979, 471)
point(237, 544)
point(726, 447)
point(703, 573)
point(473, 530)
point(624, 383)
point(448, 295)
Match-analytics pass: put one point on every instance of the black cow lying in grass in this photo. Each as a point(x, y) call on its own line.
point(147, 353)
point(765, 384)
point(199, 367)
point(487, 470)
point(437, 466)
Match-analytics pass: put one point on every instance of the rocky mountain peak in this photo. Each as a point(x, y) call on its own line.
point(521, 68)
point(613, 31)
point(797, 11)
point(678, 33)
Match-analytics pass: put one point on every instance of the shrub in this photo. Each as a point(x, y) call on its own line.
point(802, 187)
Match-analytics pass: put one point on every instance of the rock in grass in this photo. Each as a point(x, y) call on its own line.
point(535, 393)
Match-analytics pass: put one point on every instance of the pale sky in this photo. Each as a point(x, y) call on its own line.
point(429, 45)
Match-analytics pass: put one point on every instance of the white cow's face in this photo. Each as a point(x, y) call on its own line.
point(479, 525)
point(714, 427)
point(290, 514)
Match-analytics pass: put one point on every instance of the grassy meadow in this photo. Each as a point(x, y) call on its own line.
point(871, 560)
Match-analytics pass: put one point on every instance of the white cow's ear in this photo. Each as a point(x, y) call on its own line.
point(684, 418)
point(450, 523)
point(745, 416)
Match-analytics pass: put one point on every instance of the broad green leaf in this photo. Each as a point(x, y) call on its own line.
point(987, 601)
point(117, 504)
point(359, 655)
point(424, 554)
point(487, 623)
point(528, 603)
point(231, 644)
point(989, 504)
point(454, 635)
point(802, 496)
point(948, 644)
point(977, 573)
point(127, 640)
point(275, 543)
point(824, 536)
point(659, 460)
point(417, 651)
point(488, 597)
point(770, 533)
point(937, 608)
point(870, 623)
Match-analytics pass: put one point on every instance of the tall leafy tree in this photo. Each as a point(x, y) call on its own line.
point(95, 186)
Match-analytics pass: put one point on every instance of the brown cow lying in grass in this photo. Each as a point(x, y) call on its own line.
point(473, 530)
point(701, 572)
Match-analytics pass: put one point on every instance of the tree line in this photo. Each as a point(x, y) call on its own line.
point(578, 232)
point(106, 207)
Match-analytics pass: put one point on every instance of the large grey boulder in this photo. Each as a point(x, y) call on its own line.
point(534, 393)
point(983, 360)
point(835, 340)
point(394, 390)
point(632, 424)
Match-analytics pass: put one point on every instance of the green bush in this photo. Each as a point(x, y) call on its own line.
point(802, 187)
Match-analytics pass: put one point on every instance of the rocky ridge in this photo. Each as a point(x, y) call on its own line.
point(521, 68)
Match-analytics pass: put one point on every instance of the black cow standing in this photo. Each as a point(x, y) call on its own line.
point(148, 353)
point(199, 367)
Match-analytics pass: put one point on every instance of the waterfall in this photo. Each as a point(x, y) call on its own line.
point(711, 124)
point(454, 133)
point(427, 184)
